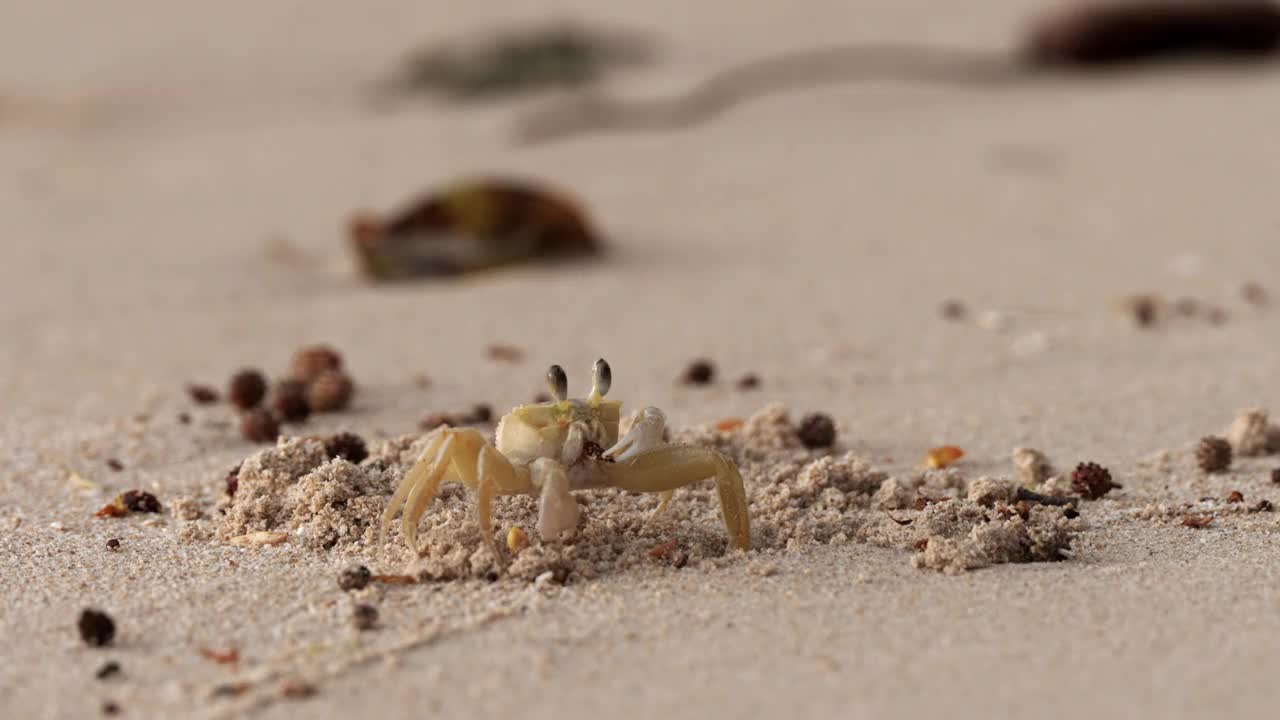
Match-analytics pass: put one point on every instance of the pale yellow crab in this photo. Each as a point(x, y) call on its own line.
point(550, 449)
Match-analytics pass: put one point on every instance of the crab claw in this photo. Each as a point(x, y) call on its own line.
point(645, 434)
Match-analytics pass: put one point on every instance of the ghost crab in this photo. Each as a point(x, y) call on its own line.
point(550, 449)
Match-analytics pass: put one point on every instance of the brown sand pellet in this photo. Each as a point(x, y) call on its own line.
point(96, 627)
point(109, 669)
point(259, 426)
point(113, 544)
point(1254, 294)
point(309, 362)
point(364, 617)
point(346, 445)
point(202, 394)
point(115, 464)
point(953, 310)
point(699, 372)
point(750, 381)
point(330, 391)
point(1213, 454)
point(289, 400)
point(140, 501)
point(246, 389)
point(354, 578)
point(817, 430)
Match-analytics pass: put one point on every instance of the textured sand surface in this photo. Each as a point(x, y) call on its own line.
point(159, 152)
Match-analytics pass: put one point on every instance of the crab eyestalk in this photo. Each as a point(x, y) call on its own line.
point(558, 383)
point(601, 379)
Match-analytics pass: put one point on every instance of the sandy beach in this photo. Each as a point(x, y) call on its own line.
point(177, 186)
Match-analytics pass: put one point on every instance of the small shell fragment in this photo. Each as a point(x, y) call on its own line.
point(517, 539)
point(261, 537)
point(941, 457)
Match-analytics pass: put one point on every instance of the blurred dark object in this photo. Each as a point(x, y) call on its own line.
point(472, 225)
point(1116, 33)
point(514, 61)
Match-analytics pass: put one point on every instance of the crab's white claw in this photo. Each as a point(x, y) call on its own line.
point(645, 434)
point(557, 509)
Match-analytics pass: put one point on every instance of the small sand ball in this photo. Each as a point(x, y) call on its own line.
point(289, 400)
point(848, 474)
point(246, 389)
point(1032, 466)
point(186, 508)
point(1092, 480)
point(96, 627)
point(699, 372)
point(950, 518)
point(337, 503)
point(309, 362)
point(1248, 433)
point(261, 484)
point(354, 578)
point(259, 426)
point(347, 446)
point(950, 556)
point(330, 391)
point(894, 494)
point(364, 617)
point(816, 430)
point(1213, 454)
point(988, 491)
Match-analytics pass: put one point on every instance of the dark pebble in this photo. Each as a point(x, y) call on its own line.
point(364, 617)
point(699, 372)
point(750, 381)
point(140, 501)
point(115, 464)
point(202, 394)
point(289, 400)
point(113, 544)
point(109, 669)
point(817, 431)
point(246, 389)
point(354, 578)
point(349, 446)
point(259, 426)
point(96, 627)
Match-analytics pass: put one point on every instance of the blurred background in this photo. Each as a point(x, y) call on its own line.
point(179, 181)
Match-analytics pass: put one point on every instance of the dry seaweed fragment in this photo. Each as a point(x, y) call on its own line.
point(395, 579)
point(1193, 520)
point(222, 657)
point(519, 60)
point(1113, 33)
point(499, 352)
point(472, 225)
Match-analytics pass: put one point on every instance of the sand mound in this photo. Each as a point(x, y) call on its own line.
point(798, 497)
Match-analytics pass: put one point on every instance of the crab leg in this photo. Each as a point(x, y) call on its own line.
point(666, 468)
point(557, 509)
point(427, 461)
